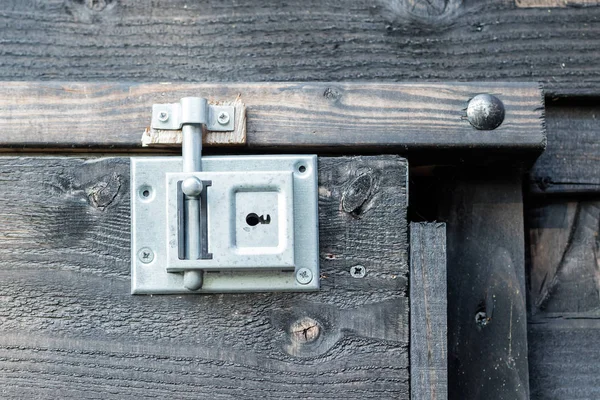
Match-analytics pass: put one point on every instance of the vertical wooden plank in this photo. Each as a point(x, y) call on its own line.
point(487, 331)
point(428, 308)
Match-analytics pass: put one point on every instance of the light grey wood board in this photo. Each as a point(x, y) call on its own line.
point(292, 116)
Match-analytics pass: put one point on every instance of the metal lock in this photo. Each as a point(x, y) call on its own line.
point(221, 224)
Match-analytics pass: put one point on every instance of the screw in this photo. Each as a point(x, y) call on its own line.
point(358, 271)
point(163, 116)
point(304, 276)
point(481, 319)
point(485, 112)
point(146, 255)
point(223, 118)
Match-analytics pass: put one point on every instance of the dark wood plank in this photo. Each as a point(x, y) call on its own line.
point(428, 309)
point(253, 40)
point(571, 161)
point(487, 331)
point(70, 329)
point(564, 331)
point(564, 356)
point(315, 116)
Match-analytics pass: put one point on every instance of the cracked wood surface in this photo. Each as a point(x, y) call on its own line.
point(70, 329)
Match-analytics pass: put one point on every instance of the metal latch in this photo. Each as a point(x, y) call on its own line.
point(221, 224)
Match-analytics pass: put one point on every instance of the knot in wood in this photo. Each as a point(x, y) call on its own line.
point(332, 93)
point(430, 13)
point(96, 5)
point(357, 194)
point(305, 330)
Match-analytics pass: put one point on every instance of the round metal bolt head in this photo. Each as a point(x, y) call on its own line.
point(192, 187)
point(485, 112)
point(192, 280)
point(163, 116)
point(223, 118)
point(358, 271)
point(146, 255)
point(304, 276)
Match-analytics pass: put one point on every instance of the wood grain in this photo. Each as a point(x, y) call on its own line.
point(557, 3)
point(428, 310)
point(487, 315)
point(70, 329)
point(564, 330)
point(311, 116)
point(254, 40)
point(571, 161)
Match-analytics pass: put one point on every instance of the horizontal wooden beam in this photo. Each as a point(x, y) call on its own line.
point(310, 116)
point(254, 40)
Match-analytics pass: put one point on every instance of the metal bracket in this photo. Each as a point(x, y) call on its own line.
point(193, 110)
point(221, 224)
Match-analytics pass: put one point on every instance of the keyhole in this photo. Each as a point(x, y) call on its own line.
point(254, 219)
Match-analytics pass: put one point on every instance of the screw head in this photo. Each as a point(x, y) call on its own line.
point(358, 271)
point(192, 187)
point(304, 276)
point(223, 118)
point(163, 116)
point(485, 112)
point(146, 255)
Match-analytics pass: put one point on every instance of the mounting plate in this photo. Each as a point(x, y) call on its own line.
point(261, 224)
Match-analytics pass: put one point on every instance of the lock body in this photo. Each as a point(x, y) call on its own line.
point(254, 226)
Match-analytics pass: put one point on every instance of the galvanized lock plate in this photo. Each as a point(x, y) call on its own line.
point(261, 224)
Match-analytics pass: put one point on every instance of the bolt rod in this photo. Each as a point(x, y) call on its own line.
point(191, 152)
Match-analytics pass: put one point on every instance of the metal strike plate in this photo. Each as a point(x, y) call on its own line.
point(261, 227)
point(173, 116)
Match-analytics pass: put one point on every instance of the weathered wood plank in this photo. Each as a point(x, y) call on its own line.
point(557, 3)
point(564, 330)
point(338, 116)
point(253, 40)
point(487, 331)
point(564, 356)
point(571, 162)
point(70, 329)
point(428, 309)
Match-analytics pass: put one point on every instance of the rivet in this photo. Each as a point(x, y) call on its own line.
point(358, 271)
point(146, 255)
point(223, 118)
point(485, 112)
point(304, 276)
